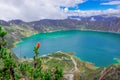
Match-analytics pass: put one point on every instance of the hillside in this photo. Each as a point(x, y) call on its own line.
point(85, 70)
point(73, 66)
point(18, 29)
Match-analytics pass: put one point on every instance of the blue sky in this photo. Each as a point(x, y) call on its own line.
point(93, 5)
point(32, 10)
point(93, 8)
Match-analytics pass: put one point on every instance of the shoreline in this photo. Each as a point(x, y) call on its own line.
point(99, 31)
point(110, 32)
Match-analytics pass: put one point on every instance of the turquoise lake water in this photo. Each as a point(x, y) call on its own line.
point(99, 48)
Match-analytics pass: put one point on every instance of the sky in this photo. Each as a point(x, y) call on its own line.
point(32, 10)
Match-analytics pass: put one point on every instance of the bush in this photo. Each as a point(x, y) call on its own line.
point(12, 70)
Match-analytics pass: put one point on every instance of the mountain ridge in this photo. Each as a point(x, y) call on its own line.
point(111, 25)
point(18, 29)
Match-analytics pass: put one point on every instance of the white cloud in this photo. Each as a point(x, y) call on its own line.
point(66, 9)
point(86, 13)
point(112, 3)
point(30, 10)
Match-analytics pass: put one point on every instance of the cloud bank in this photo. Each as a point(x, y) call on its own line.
point(30, 10)
point(87, 13)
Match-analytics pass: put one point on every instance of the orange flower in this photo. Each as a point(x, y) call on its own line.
point(38, 44)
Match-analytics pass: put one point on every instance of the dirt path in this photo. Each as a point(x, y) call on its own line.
point(70, 75)
point(75, 64)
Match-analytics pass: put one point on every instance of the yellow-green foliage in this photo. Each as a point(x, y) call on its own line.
point(59, 58)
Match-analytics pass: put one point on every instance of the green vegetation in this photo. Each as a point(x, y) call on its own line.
point(59, 58)
point(12, 70)
point(86, 70)
point(49, 67)
point(9, 65)
point(16, 33)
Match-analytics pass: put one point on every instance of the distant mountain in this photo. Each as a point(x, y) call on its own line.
point(112, 25)
point(102, 23)
point(18, 28)
point(18, 22)
point(4, 23)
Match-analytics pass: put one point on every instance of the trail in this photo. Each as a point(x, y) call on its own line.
point(75, 64)
point(70, 75)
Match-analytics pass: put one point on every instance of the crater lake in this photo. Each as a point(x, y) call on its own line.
point(100, 48)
